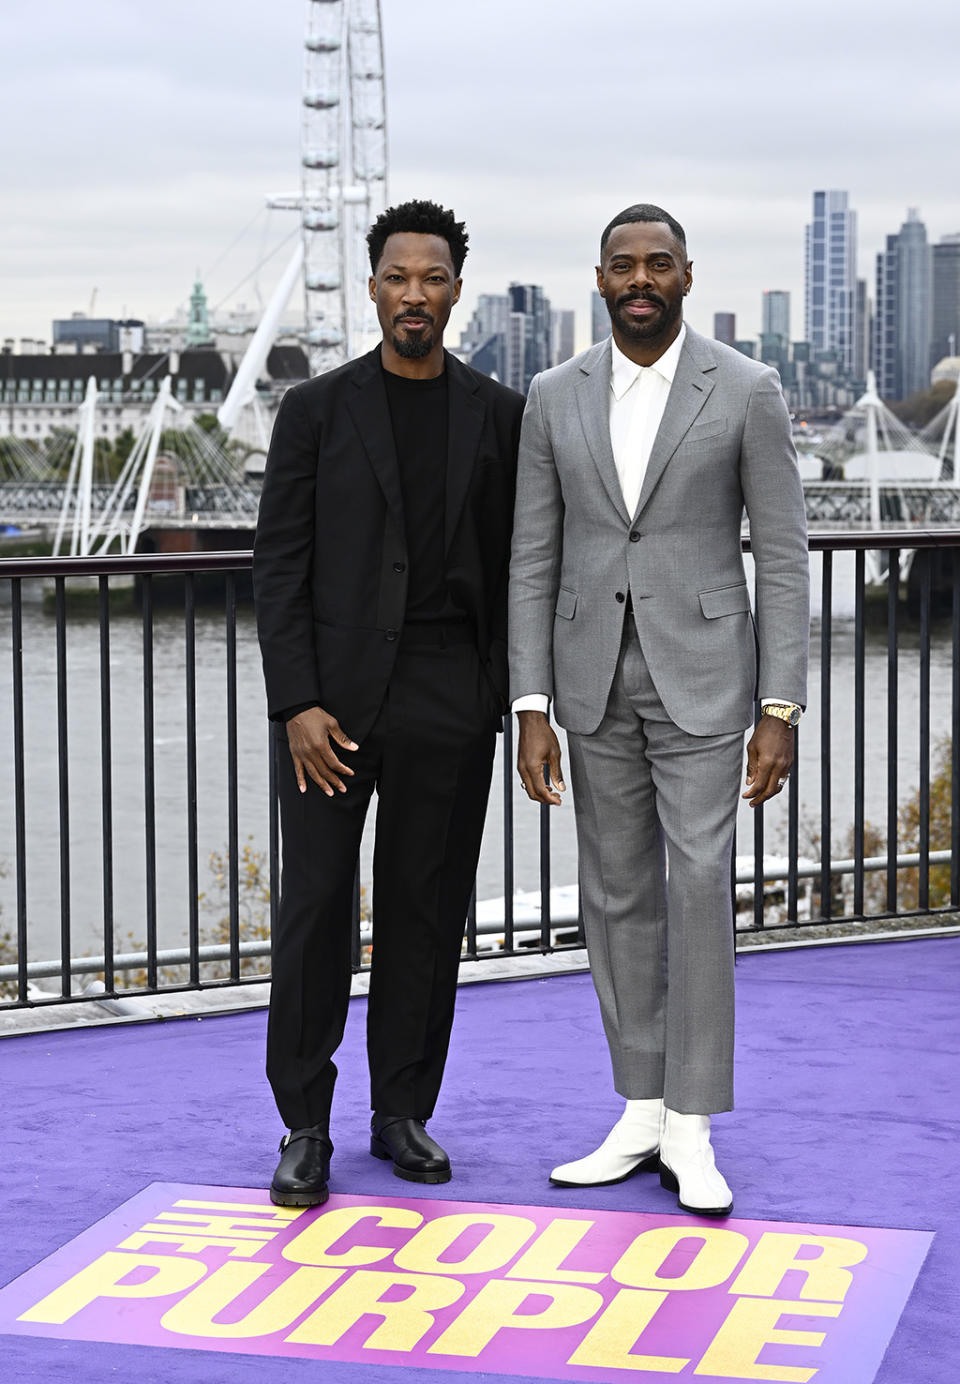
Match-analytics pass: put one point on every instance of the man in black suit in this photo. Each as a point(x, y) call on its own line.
point(380, 574)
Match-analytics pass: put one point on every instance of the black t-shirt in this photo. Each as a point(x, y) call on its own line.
point(419, 415)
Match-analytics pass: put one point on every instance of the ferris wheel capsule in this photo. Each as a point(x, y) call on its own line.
point(320, 219)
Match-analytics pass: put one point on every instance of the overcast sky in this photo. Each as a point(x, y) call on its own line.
point(140, 141)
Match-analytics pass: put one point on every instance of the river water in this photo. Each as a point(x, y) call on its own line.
point(42, 821)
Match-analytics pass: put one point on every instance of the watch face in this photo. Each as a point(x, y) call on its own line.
point(794, 717)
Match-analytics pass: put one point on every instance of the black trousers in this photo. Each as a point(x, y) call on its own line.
point(430, 757)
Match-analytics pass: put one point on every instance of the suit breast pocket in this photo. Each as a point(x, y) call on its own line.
point(702, 432)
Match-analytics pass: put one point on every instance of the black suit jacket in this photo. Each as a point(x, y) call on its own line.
point(330, 558)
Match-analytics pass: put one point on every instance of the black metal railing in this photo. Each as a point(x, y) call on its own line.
point(107, 881)
point(911, 604)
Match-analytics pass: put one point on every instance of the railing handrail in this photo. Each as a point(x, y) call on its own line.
point(136, 564)
point(238, 560)
point(850, 540)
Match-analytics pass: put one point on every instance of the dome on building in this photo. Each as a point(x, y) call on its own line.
point(946, 369)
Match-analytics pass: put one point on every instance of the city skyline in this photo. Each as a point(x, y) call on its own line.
point(133, 189)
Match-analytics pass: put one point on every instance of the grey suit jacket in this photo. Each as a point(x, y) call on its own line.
point(724, 444)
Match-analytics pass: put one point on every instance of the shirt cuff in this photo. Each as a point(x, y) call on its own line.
point(533, 701)
point(778, 701)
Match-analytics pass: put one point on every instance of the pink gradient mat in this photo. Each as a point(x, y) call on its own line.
point(548, 1293)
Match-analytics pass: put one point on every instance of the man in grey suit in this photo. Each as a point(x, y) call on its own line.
point(629, 608)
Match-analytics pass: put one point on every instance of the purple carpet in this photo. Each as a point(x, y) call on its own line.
point(847, 1114)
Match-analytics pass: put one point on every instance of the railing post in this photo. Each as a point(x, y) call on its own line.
point(826, 762)
point(19, 788)
point(893, 591)
point(106, 782)
point(859, 727)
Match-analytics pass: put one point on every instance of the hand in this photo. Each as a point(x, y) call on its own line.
point(311, 736)
point(769, 759)
point(539, 747)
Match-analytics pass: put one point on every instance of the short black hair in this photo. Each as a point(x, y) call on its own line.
point(644, 211)
point(423, 218)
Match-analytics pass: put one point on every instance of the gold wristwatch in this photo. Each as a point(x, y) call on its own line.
point(784, 711)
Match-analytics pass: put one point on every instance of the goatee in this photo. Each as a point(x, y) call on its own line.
point(413, 347)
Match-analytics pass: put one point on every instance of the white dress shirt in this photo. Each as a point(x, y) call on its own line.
point(638, 399)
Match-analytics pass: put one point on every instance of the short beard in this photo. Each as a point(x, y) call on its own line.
point(413, 348)
point(645, 331)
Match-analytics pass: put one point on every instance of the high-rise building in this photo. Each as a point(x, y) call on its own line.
point(562, 334)
point(946, 299)
point(861, 333)
point(776, 314)
point(512, 335)
point(902, 325)
point(483, 341)
point(915, 303)
point(599, 318)
point(725, 327)
point(831, 277)
point(885, 322)
point(528, 335)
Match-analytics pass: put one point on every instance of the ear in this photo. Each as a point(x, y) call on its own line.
point(372, 287)
point(599, 271)
point(457, 285)
point(688, 277)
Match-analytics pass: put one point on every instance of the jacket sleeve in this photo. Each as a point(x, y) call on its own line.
point(535, 558)
point(283, 560)
point(773, 497)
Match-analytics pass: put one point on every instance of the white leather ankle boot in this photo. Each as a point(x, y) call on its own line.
point(687, 1165)
point(630, 1147)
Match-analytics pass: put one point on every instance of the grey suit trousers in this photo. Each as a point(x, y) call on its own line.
point(656, 814)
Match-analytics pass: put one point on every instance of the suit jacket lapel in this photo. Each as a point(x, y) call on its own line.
point(371, 416)
point(593, 401)
point(465, 426)
point(689, 392)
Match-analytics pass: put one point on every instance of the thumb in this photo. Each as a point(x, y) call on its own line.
point(556, 772)
point(340, 736)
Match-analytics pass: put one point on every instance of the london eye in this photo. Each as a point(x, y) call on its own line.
point(343, 171)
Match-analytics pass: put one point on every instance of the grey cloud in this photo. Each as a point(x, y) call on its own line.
point(140, 141)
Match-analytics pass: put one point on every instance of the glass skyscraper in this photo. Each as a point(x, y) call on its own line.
point(831, 278)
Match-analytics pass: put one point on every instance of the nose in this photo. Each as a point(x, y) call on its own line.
point(640, 279)
point(414, 292)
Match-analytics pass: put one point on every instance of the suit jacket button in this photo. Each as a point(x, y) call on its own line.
point(399, 566)
point(621, 597)
point(634, 537)
point(390, 635)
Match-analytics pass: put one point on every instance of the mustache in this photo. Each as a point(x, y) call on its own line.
point(640, 298)
point(413, 317)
